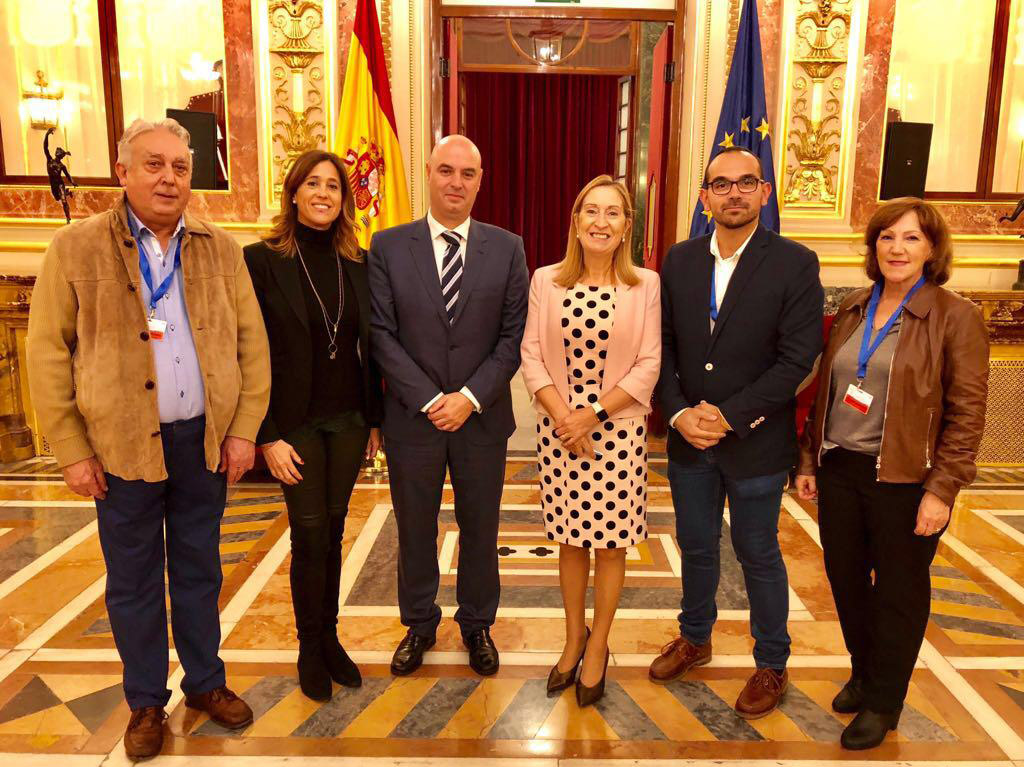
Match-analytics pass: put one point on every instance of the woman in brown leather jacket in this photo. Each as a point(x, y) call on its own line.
point(889, 443)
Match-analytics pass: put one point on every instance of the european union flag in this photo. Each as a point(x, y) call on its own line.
point(744, 119)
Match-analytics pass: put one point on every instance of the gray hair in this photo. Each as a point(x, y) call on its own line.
point(140, 126)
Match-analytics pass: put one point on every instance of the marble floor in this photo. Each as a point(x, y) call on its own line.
point(61, 702)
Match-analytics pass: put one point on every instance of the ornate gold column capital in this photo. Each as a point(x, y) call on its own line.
point(818, 105)
point(299, 44)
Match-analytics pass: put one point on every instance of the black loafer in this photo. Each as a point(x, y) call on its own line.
point(483, 655)
point(850, 698)
point(409, 655)
point(868, 729)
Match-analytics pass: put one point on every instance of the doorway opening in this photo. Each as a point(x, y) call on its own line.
point(553, 102)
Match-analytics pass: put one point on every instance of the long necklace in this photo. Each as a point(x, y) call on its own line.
point(332, 327)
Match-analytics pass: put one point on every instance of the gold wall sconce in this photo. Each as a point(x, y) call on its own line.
point(43, 103)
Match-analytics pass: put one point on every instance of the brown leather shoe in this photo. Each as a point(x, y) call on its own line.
point(762, 693)
point(223, 706)
point(678, 657)
point(145, 734)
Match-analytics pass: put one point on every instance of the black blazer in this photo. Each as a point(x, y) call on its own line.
point(420, 354)
point(275, 279)
point(766, 339)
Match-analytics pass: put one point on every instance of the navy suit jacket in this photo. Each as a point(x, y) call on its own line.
point(766, 339)
point(420, 354)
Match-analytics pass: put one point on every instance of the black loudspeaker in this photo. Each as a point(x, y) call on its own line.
point(202, 128)
point(905, 166)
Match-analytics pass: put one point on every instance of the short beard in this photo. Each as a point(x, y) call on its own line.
point(738, 224)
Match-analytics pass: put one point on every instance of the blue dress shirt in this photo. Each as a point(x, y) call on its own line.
point(179, 379)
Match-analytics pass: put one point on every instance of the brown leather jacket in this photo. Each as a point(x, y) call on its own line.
point(935, 410)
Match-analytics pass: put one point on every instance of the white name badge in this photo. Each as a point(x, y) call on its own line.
point(156, 328)
point(858, 399)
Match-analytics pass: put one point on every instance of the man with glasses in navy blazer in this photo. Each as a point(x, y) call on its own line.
point(741, 328)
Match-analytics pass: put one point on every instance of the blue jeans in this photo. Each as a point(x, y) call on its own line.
point(699, 491)
point(132, 520)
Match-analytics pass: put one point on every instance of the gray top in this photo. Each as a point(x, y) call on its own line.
point(845, 427)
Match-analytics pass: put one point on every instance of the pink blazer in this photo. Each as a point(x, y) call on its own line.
point(634, 344)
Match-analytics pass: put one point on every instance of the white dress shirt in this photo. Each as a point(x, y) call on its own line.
point(440, 248)
point(724, 268)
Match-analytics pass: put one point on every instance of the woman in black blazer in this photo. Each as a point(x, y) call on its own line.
point(325, 400)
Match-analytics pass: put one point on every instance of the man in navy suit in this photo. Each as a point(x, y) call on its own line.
point(448, 297)
point(742, 319)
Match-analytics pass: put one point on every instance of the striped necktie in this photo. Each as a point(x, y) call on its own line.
point(451, 273)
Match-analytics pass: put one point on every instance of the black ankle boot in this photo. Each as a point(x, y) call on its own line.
point(314, 677)
point(850, 698)
point(868, 729)
point(342, 668)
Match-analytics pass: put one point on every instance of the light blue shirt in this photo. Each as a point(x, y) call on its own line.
point(179, 379)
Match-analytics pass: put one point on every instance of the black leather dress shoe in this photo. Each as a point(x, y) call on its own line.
point(868, 729)
point(483, 655)
point(409, 655)
point(850, 698)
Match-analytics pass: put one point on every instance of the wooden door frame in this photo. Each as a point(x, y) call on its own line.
point(670, 196)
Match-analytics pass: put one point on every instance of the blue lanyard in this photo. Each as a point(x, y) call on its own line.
point(867, 347)
point(147, 274)
point(714, 296)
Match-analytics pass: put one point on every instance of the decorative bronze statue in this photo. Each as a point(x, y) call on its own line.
point(1019, 284)
point(56, 170)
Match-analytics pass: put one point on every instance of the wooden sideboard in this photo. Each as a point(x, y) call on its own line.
point(19, 437)
point(1003, 442)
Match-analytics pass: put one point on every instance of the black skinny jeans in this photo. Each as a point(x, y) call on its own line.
point(868, 526)
point(332, 452)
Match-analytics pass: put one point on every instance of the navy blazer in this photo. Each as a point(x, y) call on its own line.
point(420, 354)
point(766, 339)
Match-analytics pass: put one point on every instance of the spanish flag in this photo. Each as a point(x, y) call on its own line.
point(367, 138)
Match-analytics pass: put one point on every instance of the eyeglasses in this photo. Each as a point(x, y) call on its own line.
point(722, 186)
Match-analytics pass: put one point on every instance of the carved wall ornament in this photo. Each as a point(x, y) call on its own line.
point(817, 113)
point(295, 22)
point(297, 52)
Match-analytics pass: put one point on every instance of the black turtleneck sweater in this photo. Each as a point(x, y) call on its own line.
point(338, 383)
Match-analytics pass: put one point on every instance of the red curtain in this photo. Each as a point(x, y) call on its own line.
point(542, 137)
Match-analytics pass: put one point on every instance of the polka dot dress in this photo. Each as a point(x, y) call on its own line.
point(592, 503)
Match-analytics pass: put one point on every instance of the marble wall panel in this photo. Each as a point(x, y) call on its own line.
point(871, 119)
point(241, 203)
point(963, 218)
point(770, 19)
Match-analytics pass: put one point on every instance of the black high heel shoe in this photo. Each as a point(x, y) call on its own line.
point(588, 696)
point(562, 680)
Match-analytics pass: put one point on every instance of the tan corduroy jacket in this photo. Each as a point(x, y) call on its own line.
point(90, 366)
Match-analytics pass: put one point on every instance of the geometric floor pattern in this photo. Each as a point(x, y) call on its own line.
point(61, 701)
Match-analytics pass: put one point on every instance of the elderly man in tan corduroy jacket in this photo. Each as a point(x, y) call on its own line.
point(150, 375)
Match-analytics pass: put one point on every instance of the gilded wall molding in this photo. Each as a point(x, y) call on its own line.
point(297, 67)
point(735, 8)
point(821, 54)
point(385, 30)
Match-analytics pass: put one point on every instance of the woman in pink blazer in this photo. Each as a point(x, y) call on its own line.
point(591, 356)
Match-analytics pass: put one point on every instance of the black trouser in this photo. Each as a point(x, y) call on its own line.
point(416, 474)
point(868, 526)
point(332, 452)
